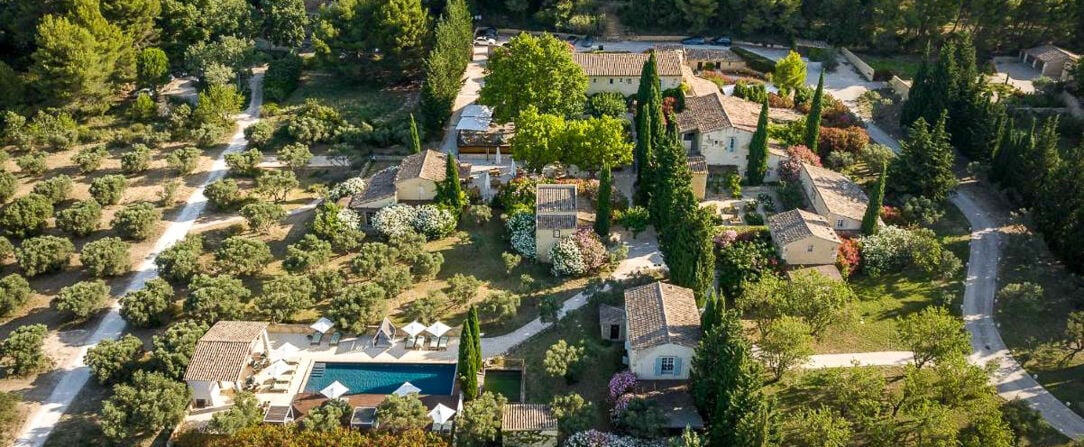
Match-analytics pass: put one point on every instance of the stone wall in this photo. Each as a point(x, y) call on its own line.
point(863, 68)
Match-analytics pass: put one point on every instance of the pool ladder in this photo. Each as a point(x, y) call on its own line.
point(318, 370)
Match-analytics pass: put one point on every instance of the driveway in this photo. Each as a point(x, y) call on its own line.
point(1019, 75)
point(75, 374)
point(473, 78)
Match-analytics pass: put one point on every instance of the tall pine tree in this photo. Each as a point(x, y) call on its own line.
point(605, 207)
point(726, 384)
point(757, 163)
point(873, 209)
point(813, 120)
point(924, 165)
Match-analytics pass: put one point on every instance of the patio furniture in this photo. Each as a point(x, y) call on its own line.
point(385, 334)
point(409, 341)
point(419, 343)
point(316, 337)
point(280, 386)
point(433, 341)
point(335, 338)
point(443, 344)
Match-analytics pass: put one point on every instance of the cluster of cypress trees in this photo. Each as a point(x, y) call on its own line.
point(450, 192)
point(452, 50)
point(665, 184)
point(470, 355)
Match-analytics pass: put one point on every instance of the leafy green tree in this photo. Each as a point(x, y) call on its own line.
point(934, 335)
point(108, 189)
point(89, 158)
point(394, 279)
point(327, 225)
point(106, 257)
point(180, 262)
point(501, 304)
point(26, 216)
point(817, 299)
point(358, 306)
point(463, 288)
point(818, 427)
point(242, 256)
point(276, 185)
point(217, 104)
point(82, 299)
point(71, 66)
point(924, 164)
point(426, 266)
point(152, 68)
point(539, 139)
point(573, 413)
point(295, 155)
point(401, 413)
point(596, 142)
point(327, 283)
point(284, 296)
point(697, 13)
point(811, 137)
point(328, 417)
point(372, 258)
point(480, 423)
point(146, 307)
point(564, 360)
point(149, 404)
point(246, 412)
point(535, 71)
point(136, 160)
point(112, 361)
point(306, 255)
point(44, 254)
point(873, 209)
point(183, 160)
point(245, 163)
point(223, 194)
point(136, 221)
point(56, 189)
point(610, 104)
point(427, 309)
point(605, 206)
point(285, 22)
point(757, 164)
point(14, 293)
point(21, 352)
point(173, 349)
point(790, 73)
point(261, 216)
point(449, 191)
point(214, 298)
point(259, 133)
point(403, 30)
point(786, 344)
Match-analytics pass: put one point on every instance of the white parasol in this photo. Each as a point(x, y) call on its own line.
point(334, 390)
point(278, 368)
point(441, 414)
point(322, 325)
point(406, 388)
point(286, 351)
point(438, 329)
point(414, 328)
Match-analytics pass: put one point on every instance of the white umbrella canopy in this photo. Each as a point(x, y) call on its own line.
point(441, 414)
point(322, 325)
point(278, 368)
point(438, 329)
point(334, 390)
point(286, 351)
point(414, 328)
point(406, 388)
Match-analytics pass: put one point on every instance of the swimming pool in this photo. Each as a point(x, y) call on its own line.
point(383, 378)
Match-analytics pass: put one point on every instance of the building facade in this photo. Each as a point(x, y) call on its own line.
point(663, 330)
point(620, 72)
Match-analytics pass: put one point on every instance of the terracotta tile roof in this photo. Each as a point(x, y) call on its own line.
point(427, 164)
point(840, 194)
point(555, 199)
point(661, 313)
point(223, 352)
point(608, 314)
point(528, 417)
point(718, 111)
point(1050, 53)
point(698, 164)
point(745, 114)
point(627, 64)
point(555, 222)
point(379, 186)
point(711, 54)
point(795, 225)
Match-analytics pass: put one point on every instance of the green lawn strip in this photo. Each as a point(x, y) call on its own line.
point(602, 359)
point(356, 101)
point(506, 385)
point(883, 299)
point(904, 66)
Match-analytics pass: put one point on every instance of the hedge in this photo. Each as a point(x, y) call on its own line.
point(755, 61)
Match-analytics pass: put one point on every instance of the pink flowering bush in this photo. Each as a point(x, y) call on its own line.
point(621, 383)
point(790, 167)
point(591, 249)
point(595, 438)
point(621, 404)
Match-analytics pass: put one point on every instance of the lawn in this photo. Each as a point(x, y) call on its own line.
point(883, 299)
point(505, 383)
point(356, 101)
point(904, 66)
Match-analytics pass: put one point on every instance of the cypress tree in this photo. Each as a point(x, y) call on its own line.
point(757, 165)
point(415, 139)
point(476, 339)
point(916, 102)
point(873, 210)
point(468, 373)
point(603, 211)
point(650, 131)
point(813, 120)
point(672, 175)
point(449, 191)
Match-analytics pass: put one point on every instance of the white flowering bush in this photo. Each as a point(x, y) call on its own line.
point(595, 438)
point(433, 221)
point(347, 188)
point(520, 228)
point(567, 258)
point(394, 221)
point(888, 250)
point(350, 218)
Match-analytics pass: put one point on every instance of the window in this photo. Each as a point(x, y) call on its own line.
point(809, 248)
point(615, 332)
point(733, 142)
point(839, 223)
point(611, 80)
point(556, 234)
point(667, 366)
point(688, 136)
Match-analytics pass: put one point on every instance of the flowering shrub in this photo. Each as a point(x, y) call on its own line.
point(595, 438)
point(520, 228)
point(517, 195)
point(394, 221)
point(621, 404)
point(567, 258)
point(849, 258)
point(621, 383)
point(433, 221)
point(725, 238)
point(851, 139)
point(790, 167)
point(350, 218)
point(348, 188)
point(888, 250)
point(891, 215)
point(591, 249)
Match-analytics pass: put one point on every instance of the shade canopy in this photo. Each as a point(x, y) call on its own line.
point(286, 351)
point(278, 368)
point(440, 414)
point(438, 329)
point(322, 325)
point(406, 388)
point(335, 390)
point(414, 328)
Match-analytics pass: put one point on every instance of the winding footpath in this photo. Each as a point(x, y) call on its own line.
point(75, 375)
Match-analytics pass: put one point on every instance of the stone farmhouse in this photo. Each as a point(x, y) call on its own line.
point(803, 238)
point(663, 329)
point(413, 181)
point(620, 72)
point(835, 197)
point(1051, 61)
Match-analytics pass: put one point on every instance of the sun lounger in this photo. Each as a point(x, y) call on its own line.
point(419, 343)
point(316, 337)
point(443, 344)
point(410, 340)
point(280, 386)
point(335, 337)
point(433, 342)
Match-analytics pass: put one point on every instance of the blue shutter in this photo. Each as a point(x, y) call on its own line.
point(658, 366)
point(677, 366)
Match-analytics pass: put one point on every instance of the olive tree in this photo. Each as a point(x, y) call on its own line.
point(108, 189)
point(240, 255)
point(372, 258)
point(284, 296)
point(501, 304)
point(82, 298)
point(295, 156)
point(81, 218)
point(14, 292)
point(56, 188)
point(261, 216)
point(563, 360)
point(44, 254)
point(462, 288)
point(329, 226)
point(245, 412)
point(180, 262)
point(106, 257)
point(136, 221)
point(275, 185)
point(112, 361)
point(244, 164)
point(136, 160)
point(358, 306)
point(33, 164)
point(223, 194)
point(171, 350)
point(214, 298)
point(26, 215)
point(401, 413)
point(150, 403)
point(89, 158)
point(480, 423)
point(146, 307)
point(183, 160)
point(306, 255)
point(21, 352)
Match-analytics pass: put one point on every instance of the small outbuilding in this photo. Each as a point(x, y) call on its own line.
point(663, 324)
point(1051, 61)
point(528, 425)
point(555, 216)
point(834, 196)
point(611, 321)
point(222, 359)
point(803, 238)
point(698, 165)
point(713, 59)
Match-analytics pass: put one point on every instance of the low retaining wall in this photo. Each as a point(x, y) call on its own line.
point(901, 87)
point(863, 68)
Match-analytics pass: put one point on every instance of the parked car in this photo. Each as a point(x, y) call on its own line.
point(694, 41)
point(488, 32)
point(721, 40)
point(587, 42)
point(483, 40)
point(572, 39)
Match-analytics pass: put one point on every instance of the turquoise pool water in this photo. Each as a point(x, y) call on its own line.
point(383, 378)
